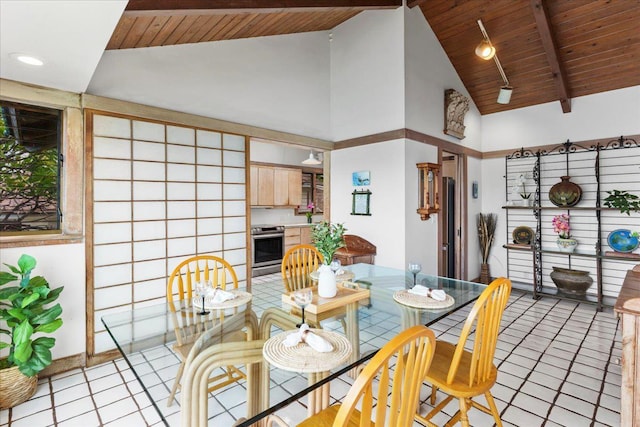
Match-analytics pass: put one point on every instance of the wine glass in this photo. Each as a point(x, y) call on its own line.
point(303, 298)
point(201, 291)
point(335, 265)
point(415, 268)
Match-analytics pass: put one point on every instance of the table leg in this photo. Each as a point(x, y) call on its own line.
point(318, 398)
point(353, 335)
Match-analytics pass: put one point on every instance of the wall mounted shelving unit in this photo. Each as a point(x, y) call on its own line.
point(597, 169)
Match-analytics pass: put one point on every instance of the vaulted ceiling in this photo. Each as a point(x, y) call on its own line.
point(550, 50)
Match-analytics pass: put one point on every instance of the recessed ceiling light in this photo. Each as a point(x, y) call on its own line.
point(27, 59)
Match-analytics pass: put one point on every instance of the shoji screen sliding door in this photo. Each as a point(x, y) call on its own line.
point(158, 193)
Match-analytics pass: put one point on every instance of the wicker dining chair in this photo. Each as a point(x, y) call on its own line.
point(188, 325)
point(465, 374)
point(297, 265)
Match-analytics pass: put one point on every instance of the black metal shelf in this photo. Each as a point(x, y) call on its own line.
point(528, 248)
point(553, 163)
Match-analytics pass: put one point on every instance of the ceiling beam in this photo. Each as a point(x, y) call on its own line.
point(205, 7)
point(543, 23)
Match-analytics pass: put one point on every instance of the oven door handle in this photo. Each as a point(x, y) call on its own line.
point(267, 236)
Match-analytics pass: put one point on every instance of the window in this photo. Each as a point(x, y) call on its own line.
point(30, 164)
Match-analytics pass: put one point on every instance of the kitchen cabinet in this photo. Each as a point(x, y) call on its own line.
point(275, 186)
point(296, 236)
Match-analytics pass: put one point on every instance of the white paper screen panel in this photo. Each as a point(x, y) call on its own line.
point(161, 193)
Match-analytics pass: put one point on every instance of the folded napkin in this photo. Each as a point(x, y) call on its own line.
point(218, 296)
point(303, 334)
point(436, 294)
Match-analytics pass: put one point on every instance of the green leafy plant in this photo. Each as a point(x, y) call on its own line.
point(24, 310)
point(328, 238)
point(624, 201)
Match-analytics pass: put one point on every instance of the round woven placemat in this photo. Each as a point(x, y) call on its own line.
point(241, 298)
point(302, 358)
point(405, 297)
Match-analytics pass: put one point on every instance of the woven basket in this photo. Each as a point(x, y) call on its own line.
point(15, 387)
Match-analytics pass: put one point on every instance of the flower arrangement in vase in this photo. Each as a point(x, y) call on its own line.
point(309, 213)
point(328, 238)
point(526, 197)
point(562, 227)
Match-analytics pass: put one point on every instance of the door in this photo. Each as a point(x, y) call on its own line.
point(449, 246)
point(451, 227)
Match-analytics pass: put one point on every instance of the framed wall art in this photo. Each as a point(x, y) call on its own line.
point(360, 203)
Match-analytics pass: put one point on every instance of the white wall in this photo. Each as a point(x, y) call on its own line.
point(61, 265)
point(277, 82)
point(367, 74)
point(474, 207)
point(420, 237)
point(428, 73)
point(386, 227)
point(601, 115)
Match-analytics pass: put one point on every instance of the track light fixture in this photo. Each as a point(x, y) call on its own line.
point(486, 51)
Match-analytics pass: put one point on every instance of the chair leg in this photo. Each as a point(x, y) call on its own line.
point(434, 389)
point(464, 407)
point(494, 408)
point(176, 384)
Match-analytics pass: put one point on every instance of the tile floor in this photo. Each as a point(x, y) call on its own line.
point(558, 365)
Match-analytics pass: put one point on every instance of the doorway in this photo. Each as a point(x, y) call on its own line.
point(451, 260)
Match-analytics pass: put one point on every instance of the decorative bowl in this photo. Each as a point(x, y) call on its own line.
point(621, 240)
point(571, 282)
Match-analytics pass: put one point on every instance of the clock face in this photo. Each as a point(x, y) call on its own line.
point(430, 176)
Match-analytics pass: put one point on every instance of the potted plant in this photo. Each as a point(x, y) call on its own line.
point(25, 311)
point(526, 197)
point(486, 232)
point(563, 228)
point(624, 201)
point(328, 238)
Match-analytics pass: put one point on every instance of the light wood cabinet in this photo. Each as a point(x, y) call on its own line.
point(275, 186)
point(296, 236)
point(628, 308)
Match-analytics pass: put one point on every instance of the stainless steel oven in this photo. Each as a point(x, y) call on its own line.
point(267, 248)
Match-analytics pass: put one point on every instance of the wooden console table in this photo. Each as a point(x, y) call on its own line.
point(628, 308)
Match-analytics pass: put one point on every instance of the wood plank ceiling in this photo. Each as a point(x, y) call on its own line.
point(550, 51)
point(597, 45)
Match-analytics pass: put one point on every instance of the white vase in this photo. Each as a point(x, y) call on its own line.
point(326, 282)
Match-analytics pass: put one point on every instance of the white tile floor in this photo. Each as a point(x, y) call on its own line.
point(558, 366)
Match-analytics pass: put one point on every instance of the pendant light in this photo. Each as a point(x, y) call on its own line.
point(312, 160)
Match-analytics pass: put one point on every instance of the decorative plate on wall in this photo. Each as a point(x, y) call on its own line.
point(565, 193)
point(522, 235)
point(621, 240)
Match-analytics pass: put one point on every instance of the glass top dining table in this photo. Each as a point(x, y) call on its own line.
point(146, 336)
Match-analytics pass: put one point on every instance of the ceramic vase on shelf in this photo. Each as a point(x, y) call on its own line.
point(327, 287)
point(566, 245)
